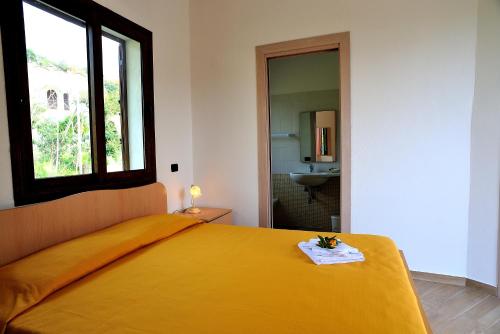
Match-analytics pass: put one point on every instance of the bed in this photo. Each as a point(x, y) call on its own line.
point(141, 270)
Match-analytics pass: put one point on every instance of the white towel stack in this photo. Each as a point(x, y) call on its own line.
point(343, 253)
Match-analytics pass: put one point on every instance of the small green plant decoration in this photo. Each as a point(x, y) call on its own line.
point(329, 243)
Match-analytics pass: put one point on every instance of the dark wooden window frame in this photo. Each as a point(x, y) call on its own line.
point(27, 189)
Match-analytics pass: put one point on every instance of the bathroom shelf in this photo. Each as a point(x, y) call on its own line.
point(283, 135)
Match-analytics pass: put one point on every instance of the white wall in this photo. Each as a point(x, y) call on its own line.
point(412, 88)
point(169, 22)
point(485, 148)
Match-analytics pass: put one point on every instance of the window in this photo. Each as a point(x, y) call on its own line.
point(101, 135)
point(61, 140)
point(66, 101)
point(122, 101)
point(51, 99)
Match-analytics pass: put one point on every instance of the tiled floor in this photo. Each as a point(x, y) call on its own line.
point(459, 310)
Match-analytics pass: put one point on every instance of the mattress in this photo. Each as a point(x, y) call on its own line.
point(171, 274)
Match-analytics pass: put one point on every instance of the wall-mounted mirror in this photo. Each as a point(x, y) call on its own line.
point(318, 136)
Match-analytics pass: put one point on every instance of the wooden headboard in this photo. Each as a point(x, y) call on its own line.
point(27, 229)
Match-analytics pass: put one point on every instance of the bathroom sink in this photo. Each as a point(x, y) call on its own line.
point(311, 179)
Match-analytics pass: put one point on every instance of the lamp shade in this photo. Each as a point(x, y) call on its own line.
point(195, 191)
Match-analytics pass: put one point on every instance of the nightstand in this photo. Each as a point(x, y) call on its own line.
point(213, 215)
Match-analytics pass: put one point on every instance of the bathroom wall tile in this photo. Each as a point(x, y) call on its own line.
point(295, 166)
point(292, 211)
point(277, 167)
point(275, 121)
point(290, 152)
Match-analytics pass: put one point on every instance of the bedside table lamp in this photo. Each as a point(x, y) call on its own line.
point(195, 192)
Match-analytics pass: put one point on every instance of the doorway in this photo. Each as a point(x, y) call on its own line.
point(312, 126)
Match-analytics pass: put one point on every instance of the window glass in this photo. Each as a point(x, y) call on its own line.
point(123, 108)
point(51, 99)
point(56, 48)
point(66, 101)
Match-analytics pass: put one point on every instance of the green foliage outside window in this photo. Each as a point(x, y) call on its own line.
point(61, 145)
point(112, 108)
point(57, 149)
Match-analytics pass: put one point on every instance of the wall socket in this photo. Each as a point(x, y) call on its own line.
point(174, 168)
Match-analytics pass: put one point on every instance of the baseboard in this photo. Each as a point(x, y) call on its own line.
point(454, 280)
point(492, 290)
point(438, 278)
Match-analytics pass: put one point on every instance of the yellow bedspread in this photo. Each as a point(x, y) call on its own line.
point(206, 278)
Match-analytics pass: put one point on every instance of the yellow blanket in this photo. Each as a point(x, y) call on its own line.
point(206, 279)
point(26, 282)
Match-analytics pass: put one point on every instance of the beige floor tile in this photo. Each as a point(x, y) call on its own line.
point(459, 310)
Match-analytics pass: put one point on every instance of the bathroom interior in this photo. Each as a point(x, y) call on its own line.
point(304, 105)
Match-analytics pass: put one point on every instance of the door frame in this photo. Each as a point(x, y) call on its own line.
point(498, 257)
point(340, 41)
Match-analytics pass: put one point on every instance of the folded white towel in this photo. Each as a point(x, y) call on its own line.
point(343, 253)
